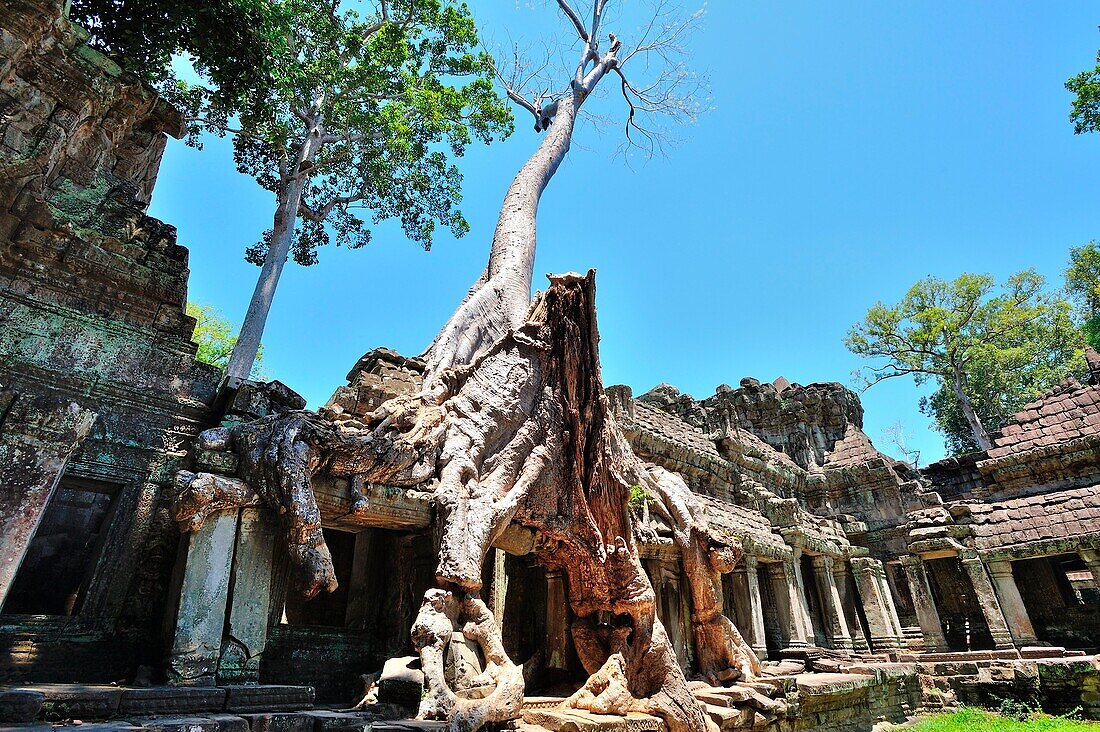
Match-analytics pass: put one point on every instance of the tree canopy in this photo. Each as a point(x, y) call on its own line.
point(1085, 109)
point(215, 336)
point(989, 349)
point(231, 43)
point(1083, 288)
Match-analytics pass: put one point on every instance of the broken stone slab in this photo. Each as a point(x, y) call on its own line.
point(401, 682)
point(1042, 652)
point(171, 700)
point(20, 705)
point(268, 698)
point(727, 718)
point(230, 723)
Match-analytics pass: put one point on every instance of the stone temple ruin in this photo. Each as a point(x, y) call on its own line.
point(868, 590)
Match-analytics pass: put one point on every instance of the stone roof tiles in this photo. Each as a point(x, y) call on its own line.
point(1067, 514)
point(1069, 411)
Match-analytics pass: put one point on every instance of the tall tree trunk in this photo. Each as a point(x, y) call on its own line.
point(282, 237)
point(498, 301)
point(958, 386)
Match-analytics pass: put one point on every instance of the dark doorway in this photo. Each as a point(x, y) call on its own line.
point(60, 561)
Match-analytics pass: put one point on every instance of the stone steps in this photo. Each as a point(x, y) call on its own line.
point(57, 702)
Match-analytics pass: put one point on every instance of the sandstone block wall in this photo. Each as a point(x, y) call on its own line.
point(92, 296)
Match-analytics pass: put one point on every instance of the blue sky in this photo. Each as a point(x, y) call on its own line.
point(852, 149)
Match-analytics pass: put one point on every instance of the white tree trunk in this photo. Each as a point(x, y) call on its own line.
point(282, 237)
point(976, 427)
point(498, 301)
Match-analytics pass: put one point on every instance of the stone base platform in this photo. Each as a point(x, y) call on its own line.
point(858, 698)
point(61, 702)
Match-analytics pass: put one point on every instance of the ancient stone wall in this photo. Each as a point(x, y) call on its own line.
point(92, 298)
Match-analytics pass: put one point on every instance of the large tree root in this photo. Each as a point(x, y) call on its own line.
point(522, 434)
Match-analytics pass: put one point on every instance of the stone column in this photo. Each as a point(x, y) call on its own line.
point(836, 625)
point(987, 600)
point(499, 586)
point(362, 603)
point(1091, 558)
point(1019, 624)
point(249, 598)
point(923, 603)
point(557, 626)
point(748, 608)
point(880, 624)
point(37, 437)
point(200, 619)
point(799, 633)
point(845, 585)
point(790, 630)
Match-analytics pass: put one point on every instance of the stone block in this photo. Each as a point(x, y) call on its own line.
point(176, 724)
point(401, 682)
point(157, 700)
point(20, 705)
point(79, 701)
point(326, 720)
point(230, 723)
point(269, 698)
point(279, 722)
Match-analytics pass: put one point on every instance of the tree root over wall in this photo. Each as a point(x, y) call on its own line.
point(522, 434)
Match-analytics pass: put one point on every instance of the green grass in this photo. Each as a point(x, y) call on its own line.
point(969, 719)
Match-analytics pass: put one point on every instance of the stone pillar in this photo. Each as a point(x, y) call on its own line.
point(845, 585)
point(873, 593)
point(499, 586)
point(1012, 604)
point(798, 629)
point(1091, 558)
point(923, 603)
point(748, 608)
point(249, 598)
point(790, 630)
point(362, 602)
point(800, 613)
point(200, 619)
point(557, 626)
point(987, 600)
point(836, 625)
point(37, 437)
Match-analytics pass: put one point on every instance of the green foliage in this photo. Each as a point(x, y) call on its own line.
point(394, 98)
point(1085, 108)
point(971, 719)
point(1006, 346)
point(1083, 288)
point(639, 497)
point(230, 42)
point(215, 337)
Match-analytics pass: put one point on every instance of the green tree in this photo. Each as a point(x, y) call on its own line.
point(1085, 109)
point(1083, 288)
point(989, 352)
point(215, 336)
point(230, 43)
point(366, 112)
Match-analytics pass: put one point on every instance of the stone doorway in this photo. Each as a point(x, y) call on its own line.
point(964, 625)
point(60, 563)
